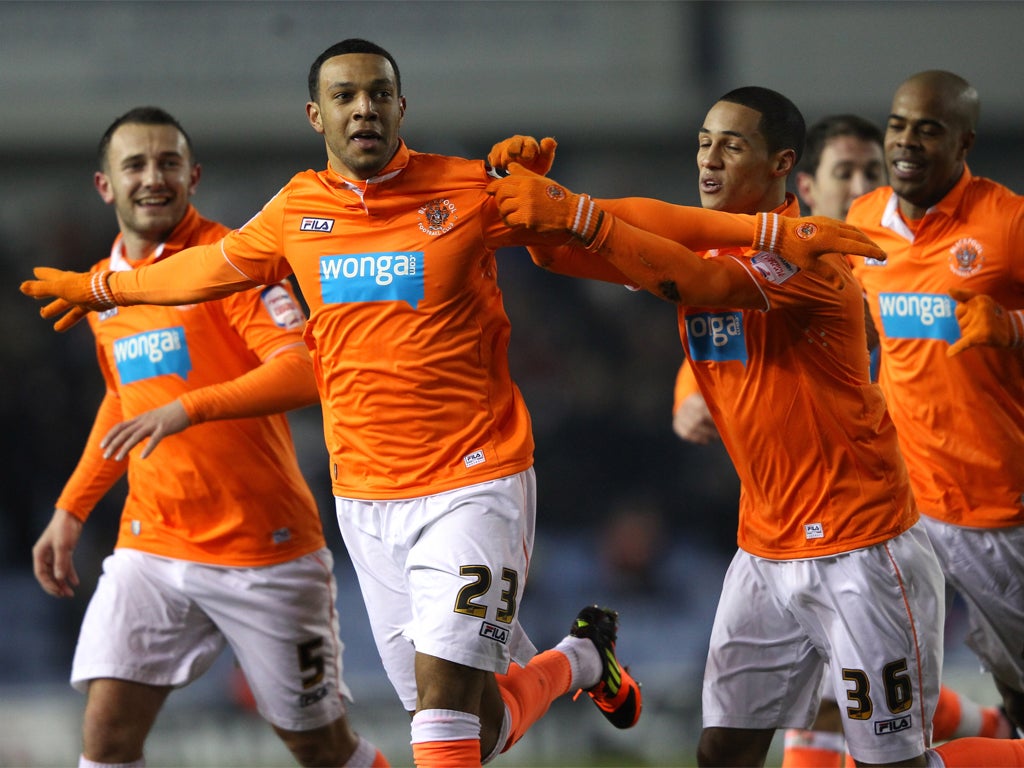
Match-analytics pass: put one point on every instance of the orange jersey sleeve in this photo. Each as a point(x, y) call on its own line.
point(282, 383)
point(699, 229)
point(228, 492)
point(689, 228)
point(960, 419)
point(93, 476)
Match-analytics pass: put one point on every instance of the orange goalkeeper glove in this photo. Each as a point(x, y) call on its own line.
point(76, 292)
point(538, 203)
point(525, 150)
point(984, 322)
point(802, 241)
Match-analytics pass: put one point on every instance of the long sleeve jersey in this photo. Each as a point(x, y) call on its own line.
point(960, 419)
point(228, 492)
point(789, 388)
point(407, 325)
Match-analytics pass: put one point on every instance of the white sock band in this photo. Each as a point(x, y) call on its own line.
point(444, 725)
point(84, 762)
point(584, 661)
point(829, 740)
point(363, 757)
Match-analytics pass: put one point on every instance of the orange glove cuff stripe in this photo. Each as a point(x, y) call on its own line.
point(585, 211)
point(767, 231)
point(100, 292)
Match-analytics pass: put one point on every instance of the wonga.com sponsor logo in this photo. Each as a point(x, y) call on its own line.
point(351, 278)
point(154, 353)
point(716, 336)
point(918, 316)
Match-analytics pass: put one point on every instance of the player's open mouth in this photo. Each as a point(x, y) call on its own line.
point(366, 139)
point(710, 185)
point(149, 202)
point(905, 168)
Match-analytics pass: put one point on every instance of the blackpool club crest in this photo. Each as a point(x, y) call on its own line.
point(437, 216)
point(965, 257)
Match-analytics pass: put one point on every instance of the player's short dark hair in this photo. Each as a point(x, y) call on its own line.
point(781, 124)
point(351, 45)
point(141, 116)
point(833, 126)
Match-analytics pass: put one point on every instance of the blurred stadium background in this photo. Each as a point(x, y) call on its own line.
point(622, 86)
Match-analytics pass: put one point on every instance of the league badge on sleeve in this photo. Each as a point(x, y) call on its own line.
point(773, 267)
point(284, 310)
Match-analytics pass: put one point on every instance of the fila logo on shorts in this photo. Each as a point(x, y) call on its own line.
point(895, 725)
point(494, 632)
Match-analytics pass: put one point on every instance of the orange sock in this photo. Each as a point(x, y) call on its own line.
point(957, 716)
point(813, 749)
point(379, 761)
point(464, 753)
point(994, 724)
point(977, 752)
point(849, 762)
point(947, 715)
point(528, 691)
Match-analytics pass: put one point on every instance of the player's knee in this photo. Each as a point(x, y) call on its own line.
point(331, 745)
point(109, 742)
point(733, 747)
point(109, 737)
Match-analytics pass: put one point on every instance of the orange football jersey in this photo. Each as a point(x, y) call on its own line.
point(960, 419)
point(228, 492)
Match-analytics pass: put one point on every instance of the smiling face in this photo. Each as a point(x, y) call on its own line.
point(927, 138)
point(148, 176)
point(359, 112)
point(737, 172)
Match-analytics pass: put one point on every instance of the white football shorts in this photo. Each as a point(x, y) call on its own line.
point(875, 614)
point(986, 567)
point(443, 575)
point(160, 621)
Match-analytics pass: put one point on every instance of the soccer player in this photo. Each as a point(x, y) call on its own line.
point(430, 443)
point(842, 160)
point(220, 540)
point(956, 395)
point(828, 530)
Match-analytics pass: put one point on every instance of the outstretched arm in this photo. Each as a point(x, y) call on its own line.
point(663, 266)
point(194, 275)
